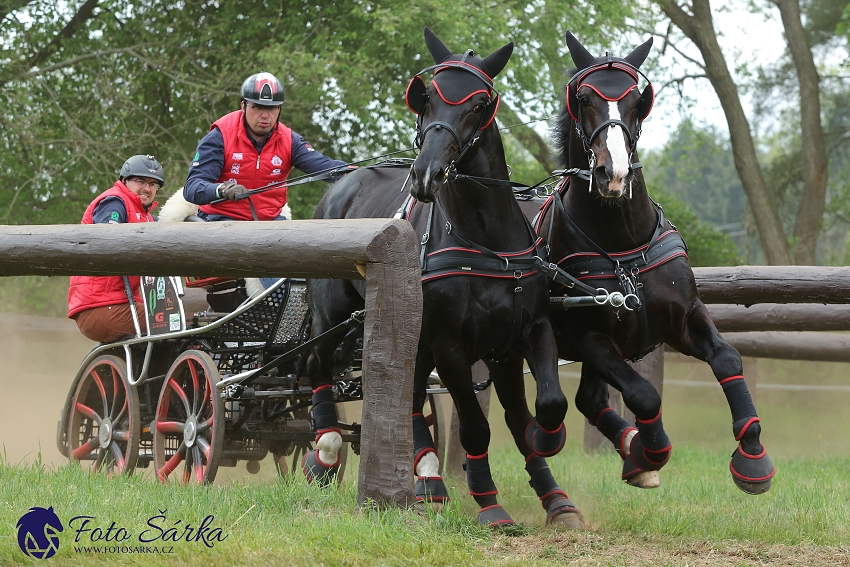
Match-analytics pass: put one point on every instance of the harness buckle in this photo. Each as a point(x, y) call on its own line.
point(425, 238)
point(518, 274)
point(448, 227)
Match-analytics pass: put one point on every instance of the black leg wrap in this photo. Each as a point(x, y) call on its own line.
point(615, 429)
point(317, 471)
point(324, 410)
point(422, 441)
point(478, 476)
point(430, 489)
point(545, 443)
point(494, 516)
point(553, 498)
point(738, 397)
point(752, 473)
point(650, 448)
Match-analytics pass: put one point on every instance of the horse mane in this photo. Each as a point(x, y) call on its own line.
point(562, 129)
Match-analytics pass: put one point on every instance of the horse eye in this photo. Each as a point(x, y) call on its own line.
point(478, 108)
point(585, 101)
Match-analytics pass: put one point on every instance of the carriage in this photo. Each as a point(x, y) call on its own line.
point(209, 389)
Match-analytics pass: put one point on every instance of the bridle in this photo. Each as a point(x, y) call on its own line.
point(574, 107)
point(487, 114)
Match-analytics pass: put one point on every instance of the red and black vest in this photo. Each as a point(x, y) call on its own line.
point(87, 292)
point(243, 165)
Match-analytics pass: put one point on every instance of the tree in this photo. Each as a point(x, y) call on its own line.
point(86, 83)
point(695, 21)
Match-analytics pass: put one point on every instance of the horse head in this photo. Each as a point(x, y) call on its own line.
point(608, 109)
point(452, 111)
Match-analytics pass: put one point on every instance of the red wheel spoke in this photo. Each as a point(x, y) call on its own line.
point(172, 463)
point(120, 461)
point(88, 412)
point(102, 389)
point(86, 448)
point(115, 389)
point(204, 425)
point(116, 413)
point(204, 446)
point(197, 465)
point(172, 427)
point(203, 402)
point(182, 394)
point(195, 384)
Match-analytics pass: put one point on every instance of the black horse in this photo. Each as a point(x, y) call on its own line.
point(602, 205)
point(482, 296)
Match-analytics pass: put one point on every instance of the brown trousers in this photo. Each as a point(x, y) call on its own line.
point(110, 322)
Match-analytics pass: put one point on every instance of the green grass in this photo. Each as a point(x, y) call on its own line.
point(289, 522)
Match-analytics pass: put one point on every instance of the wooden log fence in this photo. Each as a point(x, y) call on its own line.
point(384, 251)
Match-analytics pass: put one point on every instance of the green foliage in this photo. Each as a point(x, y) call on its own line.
point(35, 295)
point(83, 88)
point(707, 245)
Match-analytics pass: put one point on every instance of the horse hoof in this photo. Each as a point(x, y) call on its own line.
point(494, 517)
point(752, 473)
point(317, 471)
point(562, 512)
point(545, 443)
point(645, 479)
point(431, 489)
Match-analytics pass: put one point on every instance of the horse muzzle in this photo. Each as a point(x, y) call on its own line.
point(609, 185)
point(426, 182)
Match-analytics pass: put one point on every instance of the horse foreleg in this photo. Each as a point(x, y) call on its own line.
point(545, 434)
point(426, 463)
point(321, 465)
point(751, 467)
point(456, 373)
point(510, 388)
point(649, 449)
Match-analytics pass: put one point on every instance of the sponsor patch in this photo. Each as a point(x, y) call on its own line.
point(115, 216)
point(196, 163)
point(197, 156)
point(277, 161)
point(308, 147)
point(174, 322)
point(275, 172)
point(234, 168)
point(237, 156)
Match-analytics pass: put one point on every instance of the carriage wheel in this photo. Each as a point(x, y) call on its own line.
point(104, 422)
point(189, 426)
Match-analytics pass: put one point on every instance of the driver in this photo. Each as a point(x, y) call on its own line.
point(99, 304)
point(247, 149)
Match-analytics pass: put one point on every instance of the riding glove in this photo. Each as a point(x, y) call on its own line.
point(230, 190)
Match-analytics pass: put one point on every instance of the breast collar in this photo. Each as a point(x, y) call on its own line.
point(469, 258)
point(666, 244)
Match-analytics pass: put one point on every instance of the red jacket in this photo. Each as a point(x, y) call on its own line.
point(87, 292)
point(243, 165)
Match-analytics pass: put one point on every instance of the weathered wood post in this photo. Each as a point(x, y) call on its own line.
point(386, 249)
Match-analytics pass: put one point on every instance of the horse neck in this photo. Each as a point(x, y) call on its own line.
point(615, 226)
point(486, 215)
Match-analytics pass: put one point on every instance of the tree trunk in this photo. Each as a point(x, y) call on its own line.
point(699, 28)
point(810, 213)
point(530, 140)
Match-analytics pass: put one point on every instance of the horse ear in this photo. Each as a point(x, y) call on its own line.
point(644, 105)
point(581, 56)
point(638, 56)
point(438, 50)
point(496, 61)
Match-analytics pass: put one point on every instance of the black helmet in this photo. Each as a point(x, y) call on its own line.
point(142, 166)
point(264, 89)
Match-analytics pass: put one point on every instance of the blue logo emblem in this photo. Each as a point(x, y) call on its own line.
point(38, 532)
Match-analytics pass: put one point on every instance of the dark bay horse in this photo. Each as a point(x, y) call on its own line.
point(604, 230)
point(482, 296)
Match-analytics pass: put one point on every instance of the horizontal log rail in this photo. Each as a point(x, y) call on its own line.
point(384, 251)
point(780, 317)
point(748, 285)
